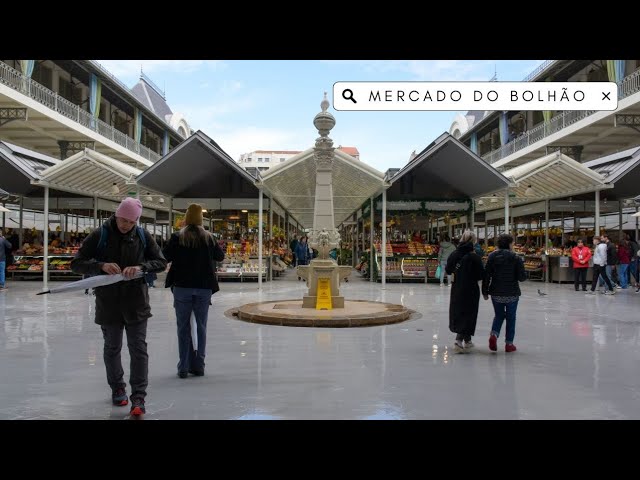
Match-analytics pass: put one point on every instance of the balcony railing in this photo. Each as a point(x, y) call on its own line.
point(627, 87)
point(17, 81)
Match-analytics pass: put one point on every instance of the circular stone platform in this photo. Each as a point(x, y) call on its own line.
point(356, 313)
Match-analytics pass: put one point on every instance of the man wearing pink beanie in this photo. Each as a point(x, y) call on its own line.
point(120, 246)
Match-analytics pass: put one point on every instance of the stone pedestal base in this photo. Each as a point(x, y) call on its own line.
point(309, 301)
point(328, 269)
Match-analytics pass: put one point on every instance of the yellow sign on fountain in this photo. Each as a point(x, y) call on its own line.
point(323, 301)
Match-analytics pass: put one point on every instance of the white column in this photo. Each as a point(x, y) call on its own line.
point(636, 239)
point(383, 248)
point(596, 218)
point(546, 239)
point(372, 250)
point(620, 234)
point(20, 233)
point(95, 212)
point(270, 257)
point(506, 211)
point(45, 241)
point(260, 239)
point(170, 227)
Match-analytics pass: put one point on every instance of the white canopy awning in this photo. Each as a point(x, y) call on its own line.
point(552, 176)
point(293, 185)
point(93, 174)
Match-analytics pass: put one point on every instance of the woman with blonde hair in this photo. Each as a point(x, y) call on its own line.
point(192, 279)
point(465, 266)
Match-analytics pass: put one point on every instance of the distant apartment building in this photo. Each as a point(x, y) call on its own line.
point(263, 160)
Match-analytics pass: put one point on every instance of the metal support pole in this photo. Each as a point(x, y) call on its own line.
point(596, 220)
point(260, 239)
point(383, 248)
point(506, 211)
point(45, 242)
point(170, 227)
point(95, 212)
point(21, 233)
point(372, 249)
point(546, 240)
point(620, 231)
point(636, 239)
point(270, 257)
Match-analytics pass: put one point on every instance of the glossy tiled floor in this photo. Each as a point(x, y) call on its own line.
point(578, 358)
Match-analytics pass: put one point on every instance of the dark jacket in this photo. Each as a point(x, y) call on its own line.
point(192, 267)
point(5, 248)
point(503, 273)
point(612, 254)
point(465, 292)
point(302, 253)
point(126, 302)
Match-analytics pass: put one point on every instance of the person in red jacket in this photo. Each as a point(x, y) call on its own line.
point(624, 257)
point(580, 256)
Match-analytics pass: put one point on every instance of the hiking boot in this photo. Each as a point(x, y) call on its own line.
point(137, 406)
point(493, 343)
point(119, 397)
point(183, 374)
point(510, 347)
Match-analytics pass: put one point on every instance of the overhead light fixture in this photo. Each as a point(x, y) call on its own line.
point(204, 211)
point(480, 202)
point(529, 191)
point(494, 199)
point(570, 199)
point(161, 200)
point(245, 211)
point(605, 200)
point(148, 198)
point(234, 217)
point(114, 189)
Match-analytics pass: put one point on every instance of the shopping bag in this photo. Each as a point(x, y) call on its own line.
point(438, 271)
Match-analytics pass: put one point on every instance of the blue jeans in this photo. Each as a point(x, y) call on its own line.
point(609, 273)
point(185, 301)
point(622, 275)
point(508, 311)
point(3, 265)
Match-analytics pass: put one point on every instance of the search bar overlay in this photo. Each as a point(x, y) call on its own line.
point(455, 96)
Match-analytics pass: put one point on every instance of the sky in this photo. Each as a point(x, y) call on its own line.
point(248, 105)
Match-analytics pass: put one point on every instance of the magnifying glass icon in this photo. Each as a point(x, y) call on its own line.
point(347, 94)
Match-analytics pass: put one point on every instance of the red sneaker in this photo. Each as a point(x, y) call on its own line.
point(493, 343)
point(510, 347)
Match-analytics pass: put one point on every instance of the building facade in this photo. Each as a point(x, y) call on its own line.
point(508, 139)
point(59, 107)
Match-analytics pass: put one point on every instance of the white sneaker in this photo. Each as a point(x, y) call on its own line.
point(448, 284)
point(610, 292)
point(468, 346)
point(457, 347)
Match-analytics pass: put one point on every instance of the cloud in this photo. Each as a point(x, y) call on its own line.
point(130, 69)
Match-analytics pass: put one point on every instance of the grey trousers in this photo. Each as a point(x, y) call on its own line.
point(139, 368)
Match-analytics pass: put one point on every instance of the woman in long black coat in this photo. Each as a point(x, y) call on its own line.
point(466, 267)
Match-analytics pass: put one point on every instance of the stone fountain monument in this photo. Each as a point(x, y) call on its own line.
point(322, 305)
point(323, 237)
